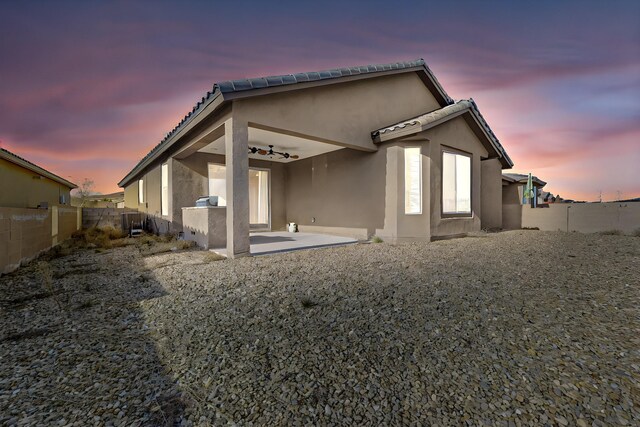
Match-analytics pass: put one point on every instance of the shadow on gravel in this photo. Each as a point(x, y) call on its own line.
point(74, 347)
point(449, 333)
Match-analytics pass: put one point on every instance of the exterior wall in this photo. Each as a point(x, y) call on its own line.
point(511, 207)
point(151, 206)
point(584, 217)
point(455, 134)
point(131, 196)
point(346, 113)
point(21, 190)
point(357, 194)
point(491, 194)
point(25, 233)
point(189, 179)
point(343, 191)
point(103, 217)
point(207, 226)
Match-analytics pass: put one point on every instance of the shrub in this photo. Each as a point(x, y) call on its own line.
point(376, 239)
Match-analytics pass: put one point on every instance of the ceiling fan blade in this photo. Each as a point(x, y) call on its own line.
point(294, 157)
point(263, 152)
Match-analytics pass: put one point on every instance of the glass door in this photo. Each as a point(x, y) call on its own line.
point(259, 217)
point(259, 200)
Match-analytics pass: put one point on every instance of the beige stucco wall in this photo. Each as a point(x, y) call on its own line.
point(584, 217)
point(21, 190)
point(511, 207)
point(343, 189)
point(207, 226)
point(457, 135)
point(346, 112)
point(357, 191)
point(351, 192)
point(491, 194)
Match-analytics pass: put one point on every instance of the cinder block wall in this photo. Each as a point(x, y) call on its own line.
point(103, 217)
point(25, 233)
point(584, 217)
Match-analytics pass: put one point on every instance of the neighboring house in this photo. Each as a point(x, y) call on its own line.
point(112, 200)
point(26, 185)
point(513, 185)
point(373, 150)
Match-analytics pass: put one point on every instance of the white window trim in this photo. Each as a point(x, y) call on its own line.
point(406, 205)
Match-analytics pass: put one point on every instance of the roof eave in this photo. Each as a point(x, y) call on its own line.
point(216, 102)
point(443, 97)
point(389, 135)
point(17, 160)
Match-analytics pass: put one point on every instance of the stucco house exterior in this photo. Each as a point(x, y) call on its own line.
point(362, 151)
point(27, 185)
point(513, 185)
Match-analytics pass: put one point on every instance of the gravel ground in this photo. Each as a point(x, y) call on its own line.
point(514, 328)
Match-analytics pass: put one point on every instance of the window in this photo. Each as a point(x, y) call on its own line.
point(218, 183)
point(164, 201)
point(140, 191)
point(412, 181)
point(456, 183)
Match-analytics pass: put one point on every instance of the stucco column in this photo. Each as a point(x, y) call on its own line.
point(236, 135)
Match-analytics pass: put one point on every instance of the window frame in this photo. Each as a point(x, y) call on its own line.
point(444, 214)
point(164, 198)
point(141, 191)
point(420, 178)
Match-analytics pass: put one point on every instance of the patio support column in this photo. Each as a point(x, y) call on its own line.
point(236, 135)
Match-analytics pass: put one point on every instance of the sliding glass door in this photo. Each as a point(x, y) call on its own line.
point(259, 198)
point(259, 187)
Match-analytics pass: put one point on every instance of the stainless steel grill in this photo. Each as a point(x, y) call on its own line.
point(207, 201)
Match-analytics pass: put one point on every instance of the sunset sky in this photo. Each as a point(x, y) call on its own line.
point(88, 88)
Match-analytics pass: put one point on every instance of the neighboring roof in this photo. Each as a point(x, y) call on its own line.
point(521, 178)
point(14, 158)
point(230, 89)
point(116, 195)
point(437, 117)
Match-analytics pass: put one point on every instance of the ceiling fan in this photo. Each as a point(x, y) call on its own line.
point(270, 152)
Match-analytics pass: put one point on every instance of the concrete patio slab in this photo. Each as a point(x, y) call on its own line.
point(264, 243)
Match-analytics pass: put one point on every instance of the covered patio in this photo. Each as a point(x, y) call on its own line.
point(265, 243)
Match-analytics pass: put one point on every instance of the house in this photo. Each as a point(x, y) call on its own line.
point(513, 185)
point(26, 185)
point(34, 210)
point(112, 200)
point(362, 151)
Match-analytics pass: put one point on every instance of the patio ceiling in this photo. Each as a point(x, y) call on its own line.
point(261, 138)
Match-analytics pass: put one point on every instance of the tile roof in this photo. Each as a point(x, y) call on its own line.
point(520, 177)
point(443, 114)
point(288, 79)
point(234, 86)
point(20, 161)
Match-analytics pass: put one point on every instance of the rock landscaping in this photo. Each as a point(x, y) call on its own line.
point(513, 328)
